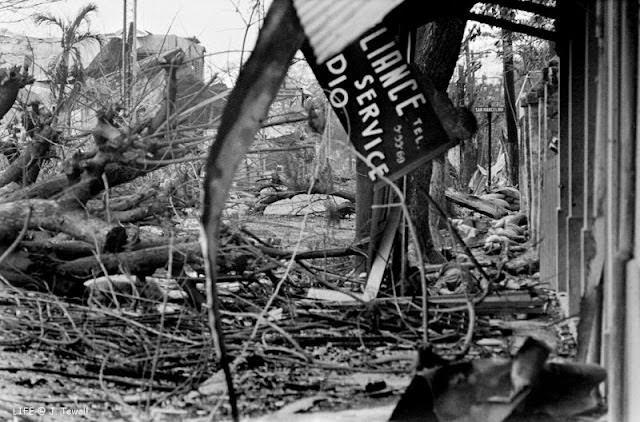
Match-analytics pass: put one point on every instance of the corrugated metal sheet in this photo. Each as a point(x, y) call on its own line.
point(332, 25)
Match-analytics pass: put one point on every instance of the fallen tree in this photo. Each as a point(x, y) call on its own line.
point(51, 235)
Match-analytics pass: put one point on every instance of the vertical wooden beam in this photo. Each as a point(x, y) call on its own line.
point(548, 210)
point(549, 222)
point(590, 98)
point(633, 269)
point(628, 327)
point(576, 152)
point(542, 108)
point(614, 293)
point(593, 312)
point(592, 258)
point(523, 151)
point(563, 150)
point(534, 170)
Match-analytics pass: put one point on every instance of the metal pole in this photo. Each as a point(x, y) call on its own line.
point(133, 53)
point(123, 72)
point(489, 152)
point(134, 41)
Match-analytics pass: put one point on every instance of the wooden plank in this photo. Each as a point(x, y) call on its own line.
point(330, 295)
point(506, 302)
point(382, 254)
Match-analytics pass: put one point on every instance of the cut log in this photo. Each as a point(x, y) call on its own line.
point(144, 261)
point(138, 214)
point(48, 215)
point(63, 250)
point(474, 203)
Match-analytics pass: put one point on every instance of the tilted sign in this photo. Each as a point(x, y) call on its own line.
point(378, 99)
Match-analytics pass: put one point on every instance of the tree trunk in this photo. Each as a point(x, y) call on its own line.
point(26, 168)
point(10, 83)
point(419, 182)
point(468, 147)
point(437, 47)
point(436, 190)
point(510, 108)
point(469, 161)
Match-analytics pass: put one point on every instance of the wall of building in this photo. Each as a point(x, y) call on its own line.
point(596, 190)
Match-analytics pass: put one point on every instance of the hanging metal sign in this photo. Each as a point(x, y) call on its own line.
point(379, 101)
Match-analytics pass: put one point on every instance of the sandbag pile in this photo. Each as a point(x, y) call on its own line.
point(506, 197)
point(509, 230)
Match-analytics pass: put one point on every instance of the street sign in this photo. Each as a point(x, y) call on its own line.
point(489, 109)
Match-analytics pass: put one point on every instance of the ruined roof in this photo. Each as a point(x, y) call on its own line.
point(107, 66)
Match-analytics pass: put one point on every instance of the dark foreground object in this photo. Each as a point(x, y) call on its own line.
point(525, 388)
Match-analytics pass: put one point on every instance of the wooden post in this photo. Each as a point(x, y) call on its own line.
point(576, 151)
point(549, 222)
point(489, 150)
point(589, 335)
point(534, 145)
point(614, 285)
point(632, 332)
point(523, 134)
point(563, 160)
point(628, 327)
point(123, 74)
point(591, 92)
point(133, 63)
point(548, 228)
point(542, 107)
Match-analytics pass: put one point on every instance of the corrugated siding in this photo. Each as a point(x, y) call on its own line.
point(332, 25)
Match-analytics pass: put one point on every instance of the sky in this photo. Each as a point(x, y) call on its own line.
point(218, 24)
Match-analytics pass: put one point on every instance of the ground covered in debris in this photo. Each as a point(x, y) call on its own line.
point(138, 357)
